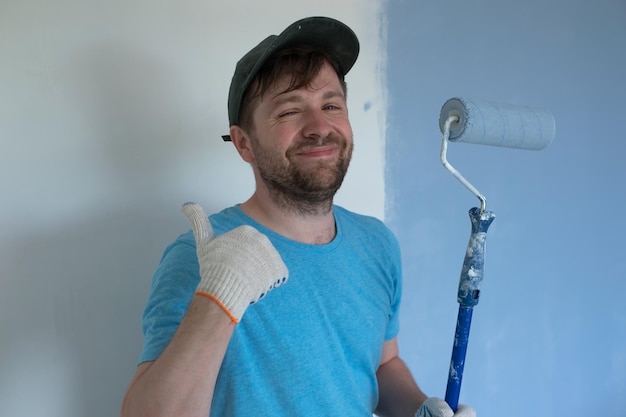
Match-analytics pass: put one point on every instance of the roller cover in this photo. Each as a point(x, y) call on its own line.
point(498, 124)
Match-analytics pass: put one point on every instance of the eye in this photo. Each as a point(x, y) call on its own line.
point(287, 113)
point(331, 107)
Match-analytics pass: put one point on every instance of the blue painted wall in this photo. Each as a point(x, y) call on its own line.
point(549, 334)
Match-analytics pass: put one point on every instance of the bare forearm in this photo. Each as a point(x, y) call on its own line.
point(399, 394)
point(181, 381)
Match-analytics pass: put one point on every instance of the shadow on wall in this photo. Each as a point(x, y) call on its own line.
point(72, 294)
point(73, 302)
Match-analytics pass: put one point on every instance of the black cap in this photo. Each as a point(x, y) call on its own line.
point(330, 35)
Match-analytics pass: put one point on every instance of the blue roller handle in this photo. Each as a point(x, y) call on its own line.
point(469, 292)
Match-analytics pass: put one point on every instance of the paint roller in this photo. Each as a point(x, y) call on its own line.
point(494, 124)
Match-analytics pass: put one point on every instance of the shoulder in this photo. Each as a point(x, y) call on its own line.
point(355, 224)
point(346, 215)
point(228, 219)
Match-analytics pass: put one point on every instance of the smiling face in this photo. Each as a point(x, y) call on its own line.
point(300, 142)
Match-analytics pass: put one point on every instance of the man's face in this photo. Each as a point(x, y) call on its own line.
point(302, 139)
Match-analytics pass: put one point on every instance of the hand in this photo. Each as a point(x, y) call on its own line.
point(436, 407)
point(237, 268)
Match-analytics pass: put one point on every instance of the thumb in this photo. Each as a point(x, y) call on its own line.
point(199, 221)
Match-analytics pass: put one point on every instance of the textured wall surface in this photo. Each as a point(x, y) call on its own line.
point(549, 334)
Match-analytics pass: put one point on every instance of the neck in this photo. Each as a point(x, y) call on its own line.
point(315, 225)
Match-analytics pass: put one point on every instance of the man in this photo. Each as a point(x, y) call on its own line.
point(320, 286)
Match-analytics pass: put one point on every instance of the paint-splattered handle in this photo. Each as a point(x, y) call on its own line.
point(468, 295)
point(474, 262)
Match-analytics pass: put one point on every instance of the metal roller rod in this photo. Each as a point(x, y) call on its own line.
point(452, 170)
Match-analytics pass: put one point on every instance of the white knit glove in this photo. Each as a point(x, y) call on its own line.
point(436, 407)
point(237, 268)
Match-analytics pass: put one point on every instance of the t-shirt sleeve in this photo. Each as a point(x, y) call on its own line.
point(173, 286)
point(395, 271)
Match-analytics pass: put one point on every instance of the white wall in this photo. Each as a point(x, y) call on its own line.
point(110, 116)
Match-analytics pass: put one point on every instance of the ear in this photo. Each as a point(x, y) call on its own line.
point(241, 140)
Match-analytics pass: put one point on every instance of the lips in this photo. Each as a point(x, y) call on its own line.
point(322, 147)
point(317, 151)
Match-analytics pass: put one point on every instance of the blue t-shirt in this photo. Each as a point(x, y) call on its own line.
point(310, 347)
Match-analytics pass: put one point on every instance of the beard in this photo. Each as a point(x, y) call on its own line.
point(301, 189)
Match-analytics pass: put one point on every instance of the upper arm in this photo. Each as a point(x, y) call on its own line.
point(399, 394)
point(390, 351)
point(139, 371)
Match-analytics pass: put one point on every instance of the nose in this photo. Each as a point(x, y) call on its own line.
point(316, 124)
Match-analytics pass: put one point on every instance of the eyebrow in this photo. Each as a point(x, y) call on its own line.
point(285, 97)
